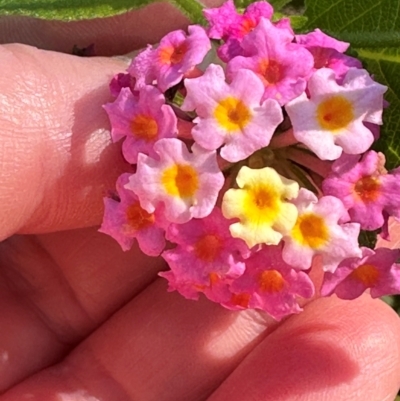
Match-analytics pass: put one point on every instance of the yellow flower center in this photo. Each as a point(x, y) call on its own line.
point(270, 71)
point(173, 55)
point(262, 204)
point(232, 114)
point(208, 247)
point(137, 217)
point(367, 274)
point(310, 230)
point(144, 127)
point(271, 281)
point(180, 180)
point(367, 189)
point(335, 113)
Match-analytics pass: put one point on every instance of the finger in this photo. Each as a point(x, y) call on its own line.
point(56, 158)
point(117, 35)
point(336, 350)
point(58, 288)
point(159, 348)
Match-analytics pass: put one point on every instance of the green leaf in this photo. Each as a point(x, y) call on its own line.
point(296, 21)
point(353, 15)
point(279, 4)
point(69, 10)
point(385, 65)
point(373, 29)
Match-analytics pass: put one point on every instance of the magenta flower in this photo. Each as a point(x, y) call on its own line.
point(270, 284)
point(187, 184)
point(365, 188)
point(125, 220)
point(233, 114)
point(142, 120)
point(227, 24)
point(319, 230)
point(269, 52)
point(331, 120)
point(375, 270)
point(328, 52)
point(205, 253)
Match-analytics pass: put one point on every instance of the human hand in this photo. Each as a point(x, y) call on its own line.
point(83, 321)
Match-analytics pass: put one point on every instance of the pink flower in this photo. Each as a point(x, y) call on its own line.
point(227, 24)
point(319, 230)
point(120, 81)
point(205, 253)
point(331, 120)
point(375, 270)
point(327, 52)
point(269, 52)
point(187, 184)
point(270, 284)
point(176, 55)
point(142, 120)
point(125, 220)
point(141, 67)
point(365, 188)
point(231, 114)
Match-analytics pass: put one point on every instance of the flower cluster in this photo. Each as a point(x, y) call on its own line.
point(251, 147)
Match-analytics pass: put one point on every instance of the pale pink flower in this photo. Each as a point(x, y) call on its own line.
point(187, 184)
point(231, 115)
point(331, 120)
point(320, 230)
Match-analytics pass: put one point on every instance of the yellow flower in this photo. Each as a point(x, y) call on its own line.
point(261, 206)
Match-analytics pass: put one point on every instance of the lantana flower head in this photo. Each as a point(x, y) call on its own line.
point(331, 120)
point(187, 184)
point(261, 205)
point(232, 114)
point(269, 52)
point(320, 230)
point(252, 159)
point(270, 284)
point(142, 119)
point(366, 188)
point(125, 220)
point(376, 270)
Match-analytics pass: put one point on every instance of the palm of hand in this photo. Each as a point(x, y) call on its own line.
point(83, 321)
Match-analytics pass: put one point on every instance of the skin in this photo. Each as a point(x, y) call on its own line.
point(83, 321)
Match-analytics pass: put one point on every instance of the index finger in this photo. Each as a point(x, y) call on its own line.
point(111, 36)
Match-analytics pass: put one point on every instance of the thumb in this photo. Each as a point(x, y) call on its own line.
point(55, 153)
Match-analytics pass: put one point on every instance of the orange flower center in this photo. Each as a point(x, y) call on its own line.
point(241, 299)
point(367, 274)
point(367, 189)
point(270, 71)
point(271, 281)
point(137, 217)
point(173, 54)
point(208, 247)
